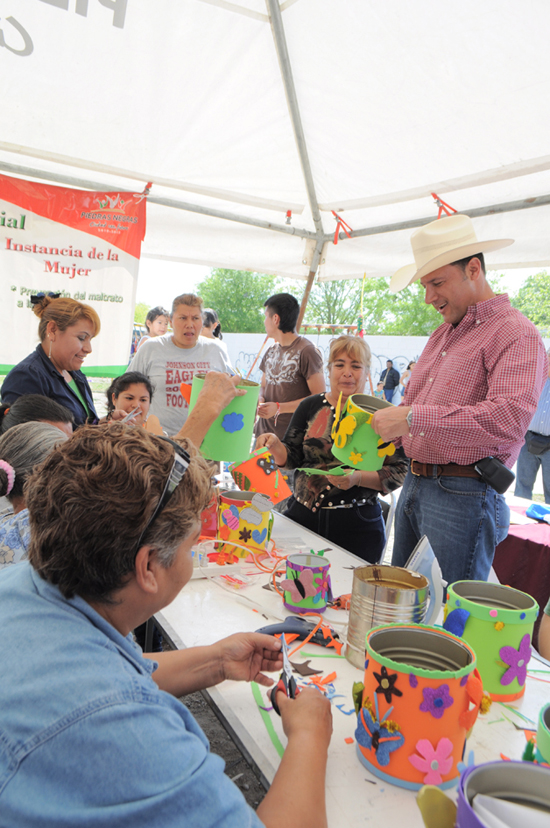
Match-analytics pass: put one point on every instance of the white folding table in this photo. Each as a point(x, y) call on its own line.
point(204, 612)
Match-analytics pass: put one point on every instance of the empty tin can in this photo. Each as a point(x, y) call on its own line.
point(382, 594)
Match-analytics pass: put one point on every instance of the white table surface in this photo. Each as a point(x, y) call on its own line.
point(203, 613)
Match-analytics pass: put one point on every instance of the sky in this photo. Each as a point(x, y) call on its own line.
point(160, 281)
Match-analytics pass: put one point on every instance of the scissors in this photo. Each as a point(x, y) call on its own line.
point(286, 683)
point(130, 416)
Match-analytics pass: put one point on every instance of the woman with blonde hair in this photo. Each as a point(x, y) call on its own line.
point(345, 510)
point(66, 330)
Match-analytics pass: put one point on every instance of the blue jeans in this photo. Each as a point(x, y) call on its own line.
point(463, 518)
point(388, 393)
point(527, 470)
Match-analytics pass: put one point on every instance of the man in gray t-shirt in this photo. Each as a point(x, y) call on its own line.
point(176, 357)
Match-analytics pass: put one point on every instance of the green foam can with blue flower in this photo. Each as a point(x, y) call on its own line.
point(229, 437)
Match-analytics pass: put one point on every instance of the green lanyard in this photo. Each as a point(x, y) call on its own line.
point(74, 388)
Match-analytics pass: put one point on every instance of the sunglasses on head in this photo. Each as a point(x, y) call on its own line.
point(179, 467)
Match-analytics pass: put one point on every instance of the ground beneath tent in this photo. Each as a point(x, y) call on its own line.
point(221, 743)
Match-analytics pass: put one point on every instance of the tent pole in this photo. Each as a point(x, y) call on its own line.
point(85, 184)
point(490, 210)
point(317, 255)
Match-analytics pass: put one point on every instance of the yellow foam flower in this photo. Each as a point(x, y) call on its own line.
point(345, 430)
point(387, 450)
point(355, 458)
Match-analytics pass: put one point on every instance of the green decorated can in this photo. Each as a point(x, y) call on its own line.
point(542, 753)
point(497, 621)
point(355, 443)
point(229, 437)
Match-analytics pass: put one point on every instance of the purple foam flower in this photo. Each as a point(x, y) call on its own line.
point(517, 661)
point(436, 700)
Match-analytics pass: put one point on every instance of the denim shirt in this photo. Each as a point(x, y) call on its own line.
point(36, 374)
point(15, 536)
point(86, 736)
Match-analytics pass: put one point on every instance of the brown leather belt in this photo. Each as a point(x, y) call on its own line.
point(443, 470)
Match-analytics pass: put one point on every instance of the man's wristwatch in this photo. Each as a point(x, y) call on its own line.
point(410, 418)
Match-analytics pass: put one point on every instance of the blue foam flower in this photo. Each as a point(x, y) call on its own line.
point(233, 422)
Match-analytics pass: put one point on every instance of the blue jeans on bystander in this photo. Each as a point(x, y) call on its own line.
point(527, 470)
point(463, 518)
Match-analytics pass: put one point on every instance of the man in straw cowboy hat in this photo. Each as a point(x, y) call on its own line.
point(471, 396)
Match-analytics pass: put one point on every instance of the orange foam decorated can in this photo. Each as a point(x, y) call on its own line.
point(260, 473)
point(420, 698)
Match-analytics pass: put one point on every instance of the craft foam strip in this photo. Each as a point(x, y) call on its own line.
point(266, 719)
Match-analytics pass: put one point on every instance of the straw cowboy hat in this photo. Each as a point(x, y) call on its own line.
point(440, 243)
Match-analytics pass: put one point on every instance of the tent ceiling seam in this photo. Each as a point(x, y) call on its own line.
point(225, 195)
point(290, 90)
point(449, 185)
point(233, 7)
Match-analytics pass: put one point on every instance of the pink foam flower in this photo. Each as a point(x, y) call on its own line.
point(434, 763)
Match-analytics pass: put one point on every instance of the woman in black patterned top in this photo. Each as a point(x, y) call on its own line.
point(345, 510)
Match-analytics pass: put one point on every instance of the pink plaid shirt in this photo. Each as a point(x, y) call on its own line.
point(476, 387)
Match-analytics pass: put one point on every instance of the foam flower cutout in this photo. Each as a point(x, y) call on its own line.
point(371, 734)
point(436, 700)
point(245, 535)
point(518, 660)
point(345, 430)
point(267, 463)
point(385, 448)
point(386, 684)
point(230, 517)
point(232, 422)
point(300, 588)
point(434, 763)
point(355, 458)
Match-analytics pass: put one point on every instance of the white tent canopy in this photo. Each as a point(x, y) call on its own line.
point(238, 112)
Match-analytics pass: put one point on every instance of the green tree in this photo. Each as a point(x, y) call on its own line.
point(334, 303)
point(533, 300)
point(403, 313)
point(238, 298)
point(140, 312)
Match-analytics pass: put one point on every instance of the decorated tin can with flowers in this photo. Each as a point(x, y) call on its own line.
point(497, 621)
point(355, 443)
point(307, 583)
point(246, 519)
point(420, 698)
point(260, 473)
point(230, 435)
